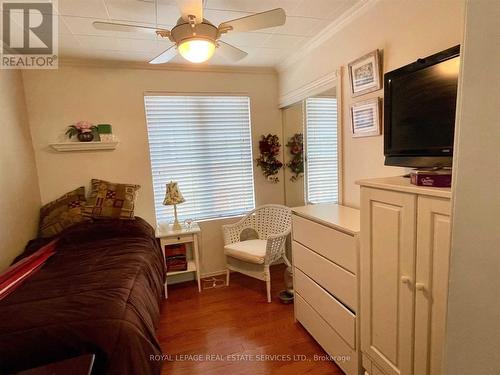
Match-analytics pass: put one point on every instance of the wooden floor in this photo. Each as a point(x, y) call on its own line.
point(233, 330)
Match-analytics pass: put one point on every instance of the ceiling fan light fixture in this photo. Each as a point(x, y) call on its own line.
point(194, 37)
point(196, 50)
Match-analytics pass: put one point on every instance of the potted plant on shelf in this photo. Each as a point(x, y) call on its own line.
point(82, 130)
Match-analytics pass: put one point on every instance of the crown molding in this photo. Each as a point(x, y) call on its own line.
point(346, 18)
point(94, 63)
point(313, 88)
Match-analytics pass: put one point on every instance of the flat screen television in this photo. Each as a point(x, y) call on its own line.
point(419, 111)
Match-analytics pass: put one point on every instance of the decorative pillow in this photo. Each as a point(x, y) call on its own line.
point(62, 213)
point(109, 200)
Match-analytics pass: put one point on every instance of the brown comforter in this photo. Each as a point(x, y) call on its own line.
point(100, 293)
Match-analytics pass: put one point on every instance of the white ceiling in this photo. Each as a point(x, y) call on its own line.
point(267, 47)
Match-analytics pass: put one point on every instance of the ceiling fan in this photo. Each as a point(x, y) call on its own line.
point(196, 38)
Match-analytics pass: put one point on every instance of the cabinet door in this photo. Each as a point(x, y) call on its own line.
point(431, 284)
point(387, 273)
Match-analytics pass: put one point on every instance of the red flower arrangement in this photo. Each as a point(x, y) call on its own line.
point(269, 147)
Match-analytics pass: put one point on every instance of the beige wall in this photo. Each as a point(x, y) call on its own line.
point(293, 122)
point(404, 30)
point(473, 329)
point(20, 196)
point(114, 95)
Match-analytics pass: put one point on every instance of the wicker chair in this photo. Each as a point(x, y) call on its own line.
point(257, 241)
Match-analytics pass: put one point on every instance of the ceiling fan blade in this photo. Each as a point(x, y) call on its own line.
point(191, 8)
point(110, 26)
point(230, 52)
point(165, 56)
point(271, 18)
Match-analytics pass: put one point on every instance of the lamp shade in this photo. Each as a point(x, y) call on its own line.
point(196, 50)
point(173, 194)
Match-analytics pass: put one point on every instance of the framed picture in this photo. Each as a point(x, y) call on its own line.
point(365, 74)
point(365, 118)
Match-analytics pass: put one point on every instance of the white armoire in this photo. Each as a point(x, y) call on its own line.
point(404, 262)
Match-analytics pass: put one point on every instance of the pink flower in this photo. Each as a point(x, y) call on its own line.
point(84, 126)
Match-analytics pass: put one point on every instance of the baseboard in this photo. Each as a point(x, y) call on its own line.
point(182, 278)
point(223, 272)
point(176, 279)
point(190, 276)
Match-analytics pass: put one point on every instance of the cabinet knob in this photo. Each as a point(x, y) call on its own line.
point(406, 280)
point(420, 286)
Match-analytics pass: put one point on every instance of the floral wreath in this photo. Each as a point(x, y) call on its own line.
point(296, 164)
point(269, 147)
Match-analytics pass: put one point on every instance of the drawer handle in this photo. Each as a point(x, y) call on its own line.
point(406, 280)
point(420, 287)
point(178, 238)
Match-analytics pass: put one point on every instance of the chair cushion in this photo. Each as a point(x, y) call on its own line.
point(252, 251)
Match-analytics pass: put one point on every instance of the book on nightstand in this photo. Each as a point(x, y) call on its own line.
point(175, 257)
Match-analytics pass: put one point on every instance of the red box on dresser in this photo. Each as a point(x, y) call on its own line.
point(439, 178)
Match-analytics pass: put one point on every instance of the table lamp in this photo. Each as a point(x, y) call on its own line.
point(173, 197)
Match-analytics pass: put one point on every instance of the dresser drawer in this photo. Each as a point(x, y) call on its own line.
point(330, 341)
point(336, 280)
point(334, 245)
point(333, 312)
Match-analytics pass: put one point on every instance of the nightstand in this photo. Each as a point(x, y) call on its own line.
point(168, 236)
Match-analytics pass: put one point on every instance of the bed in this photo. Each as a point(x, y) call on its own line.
point(99, 293)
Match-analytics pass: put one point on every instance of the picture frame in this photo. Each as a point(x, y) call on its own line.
point(365, 74)
point(365, 118)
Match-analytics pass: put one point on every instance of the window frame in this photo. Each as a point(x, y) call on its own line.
point(206, 94)
point(339, 147)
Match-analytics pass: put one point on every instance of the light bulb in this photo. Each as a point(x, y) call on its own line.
point(196, 50)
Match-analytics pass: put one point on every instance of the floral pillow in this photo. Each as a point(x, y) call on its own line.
point(62, 213)
point(108, 200)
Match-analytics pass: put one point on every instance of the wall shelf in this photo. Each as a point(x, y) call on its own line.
point(83, 146)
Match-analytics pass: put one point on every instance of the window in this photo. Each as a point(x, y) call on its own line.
point(321, 150)
point(203, 143)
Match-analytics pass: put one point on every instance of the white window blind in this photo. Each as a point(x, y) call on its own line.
point(321, 150)
point(203, 143)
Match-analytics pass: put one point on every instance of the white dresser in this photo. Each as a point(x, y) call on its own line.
point(404, 260)
point(325, 249)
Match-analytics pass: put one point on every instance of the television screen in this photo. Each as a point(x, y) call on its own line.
point(419, 111)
